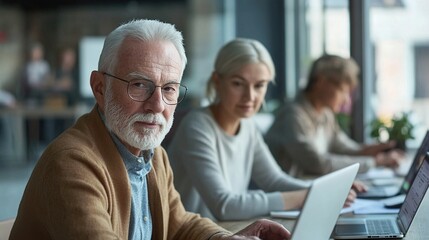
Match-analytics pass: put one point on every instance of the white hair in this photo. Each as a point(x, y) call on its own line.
point(145, 30)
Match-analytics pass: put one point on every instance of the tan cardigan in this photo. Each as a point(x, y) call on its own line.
point(79, 189)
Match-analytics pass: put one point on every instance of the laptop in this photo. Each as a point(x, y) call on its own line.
point(387, 226)
point(323, 203)
point(395, 190)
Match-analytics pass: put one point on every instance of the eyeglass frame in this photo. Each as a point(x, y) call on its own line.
point(153, 91)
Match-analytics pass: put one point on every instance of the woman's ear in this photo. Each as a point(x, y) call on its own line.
point(98, 87)
point(215, 79)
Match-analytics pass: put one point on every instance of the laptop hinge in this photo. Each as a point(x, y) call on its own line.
point(400, 225)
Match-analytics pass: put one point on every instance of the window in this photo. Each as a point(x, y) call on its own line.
point(327, 30)
point(400, 53)
point(401, 61)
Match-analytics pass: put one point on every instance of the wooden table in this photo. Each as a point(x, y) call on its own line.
point(419, 229)
point(14, 120)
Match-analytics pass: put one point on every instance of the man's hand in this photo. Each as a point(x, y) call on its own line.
point(391, 159)
point(374, 149)
point(262, 229)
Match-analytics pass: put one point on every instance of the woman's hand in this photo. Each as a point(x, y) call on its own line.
point(357, 187)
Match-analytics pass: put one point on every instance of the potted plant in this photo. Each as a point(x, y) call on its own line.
point(399, 129)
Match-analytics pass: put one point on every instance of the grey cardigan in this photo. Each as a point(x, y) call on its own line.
point(306, 142)
point(213, 170)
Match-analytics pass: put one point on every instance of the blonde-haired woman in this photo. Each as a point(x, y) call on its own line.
point(217, 150)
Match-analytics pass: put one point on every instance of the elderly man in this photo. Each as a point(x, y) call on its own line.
point(107, 176)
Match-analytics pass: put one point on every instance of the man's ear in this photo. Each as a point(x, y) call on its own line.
point(319, 81)
point(98, 87)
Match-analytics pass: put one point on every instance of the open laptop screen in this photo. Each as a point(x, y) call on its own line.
point(418, 159)
point(415, 195)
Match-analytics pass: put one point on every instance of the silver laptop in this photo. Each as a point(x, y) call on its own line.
point(387, 226)
point(390, 191)
point(323, 204)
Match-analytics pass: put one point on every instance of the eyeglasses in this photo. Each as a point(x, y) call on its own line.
point(141, 90)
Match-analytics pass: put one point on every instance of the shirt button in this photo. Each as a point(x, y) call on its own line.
point(139, 160)
point(145, 219)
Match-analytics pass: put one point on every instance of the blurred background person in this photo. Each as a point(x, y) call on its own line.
point(7, 99)
point(66, 75)
point(306, 138)
point(7, 133)
point(37, 73)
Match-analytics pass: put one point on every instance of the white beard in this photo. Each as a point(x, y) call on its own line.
point(124, 126)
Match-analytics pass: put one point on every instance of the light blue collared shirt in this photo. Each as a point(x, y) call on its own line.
point(137, 168)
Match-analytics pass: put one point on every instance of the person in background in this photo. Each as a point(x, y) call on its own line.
point(218, 150)
point(37, 72)
point(7, 99)
point(61, 93)
point(7, 129)
point(305, 136)
point(66, 75)
point(107, 177)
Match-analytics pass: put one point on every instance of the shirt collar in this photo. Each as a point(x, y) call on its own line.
point(132, 162)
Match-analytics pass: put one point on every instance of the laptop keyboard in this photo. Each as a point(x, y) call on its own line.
point(379, 226)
